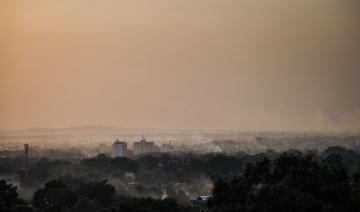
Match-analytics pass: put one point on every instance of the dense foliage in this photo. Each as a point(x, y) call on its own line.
point(291, 181)
point(8, 196)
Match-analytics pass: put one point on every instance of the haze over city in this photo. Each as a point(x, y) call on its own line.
point(204, 64)
point(179, 105)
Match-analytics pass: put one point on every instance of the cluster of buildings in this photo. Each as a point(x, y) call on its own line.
point(142, 147)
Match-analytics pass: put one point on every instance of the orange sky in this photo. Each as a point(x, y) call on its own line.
point(236, 64)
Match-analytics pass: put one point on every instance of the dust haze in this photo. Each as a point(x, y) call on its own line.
point(243, 65)
point(216, 95)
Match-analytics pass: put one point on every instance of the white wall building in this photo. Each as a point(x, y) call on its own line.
point(119, 149)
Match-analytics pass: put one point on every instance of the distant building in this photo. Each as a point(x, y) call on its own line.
point(119, 149)
point(144, 147)
point(167, 147)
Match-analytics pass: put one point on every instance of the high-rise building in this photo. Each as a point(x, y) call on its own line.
point(144, 147)
point(119, 149)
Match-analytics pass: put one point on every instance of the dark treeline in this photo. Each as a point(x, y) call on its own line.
point(290, 181)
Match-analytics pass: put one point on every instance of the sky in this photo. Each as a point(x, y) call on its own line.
point(188, 64)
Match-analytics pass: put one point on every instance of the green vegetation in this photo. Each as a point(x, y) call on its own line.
point(290, 181)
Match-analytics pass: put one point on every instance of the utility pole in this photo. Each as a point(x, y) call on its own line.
point(26, 151)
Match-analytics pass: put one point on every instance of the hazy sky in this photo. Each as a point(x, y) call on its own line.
point(216, 64)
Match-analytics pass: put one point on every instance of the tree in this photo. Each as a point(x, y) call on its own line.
point(100, 191)
point(292, 182)
point(220, 191)
point(8, 196)
point(126, 204)
point(259, 172)
point(125, 164)
point(355, 192)
point(53, 196)
point(281, 198)
point(100, 161)
point(87, 205)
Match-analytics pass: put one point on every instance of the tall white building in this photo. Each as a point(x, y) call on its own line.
point(119, 149)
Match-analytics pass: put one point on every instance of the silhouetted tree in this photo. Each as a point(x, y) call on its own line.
point(53, 196)
point(87, 205)
point(125, 164)
point(292, 182)
point(100, 191)
point(8, 196)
